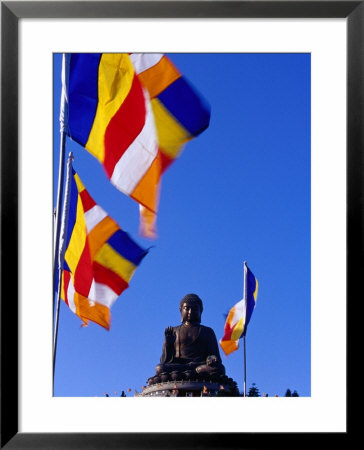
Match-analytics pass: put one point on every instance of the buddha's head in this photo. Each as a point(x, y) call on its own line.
point(191, 308)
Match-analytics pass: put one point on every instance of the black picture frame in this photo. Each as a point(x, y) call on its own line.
point(11, 12)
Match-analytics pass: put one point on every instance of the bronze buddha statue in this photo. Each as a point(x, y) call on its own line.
point(190, 348)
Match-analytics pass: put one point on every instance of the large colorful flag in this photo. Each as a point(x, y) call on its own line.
point(134, 113)
point(239, 315)
point(99, 259)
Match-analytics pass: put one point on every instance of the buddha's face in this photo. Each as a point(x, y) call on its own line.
point(191, 313)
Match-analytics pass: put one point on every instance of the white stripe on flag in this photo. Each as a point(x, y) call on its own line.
point(138, 157)
point(144, 61)
point(94, 216)
point(239, 312)
point(100, 293)
point(70, 296)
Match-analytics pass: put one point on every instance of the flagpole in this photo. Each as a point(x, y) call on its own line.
point(62, 237)
point(62, 150)
point(244, 367)
point(57, 211)
point(245, 297)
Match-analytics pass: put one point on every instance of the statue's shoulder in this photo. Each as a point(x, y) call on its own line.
point(207, 330)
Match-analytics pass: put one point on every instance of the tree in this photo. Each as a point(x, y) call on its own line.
point(290, 394)
point(253, 391)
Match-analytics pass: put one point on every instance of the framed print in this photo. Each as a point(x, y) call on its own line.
point(312, 174)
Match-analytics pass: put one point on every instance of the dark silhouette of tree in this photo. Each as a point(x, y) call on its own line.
point(253, 391)
point(290, 394)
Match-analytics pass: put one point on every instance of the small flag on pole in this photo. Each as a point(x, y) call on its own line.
point(134, 113)
point(239, 315)
point(99, 259)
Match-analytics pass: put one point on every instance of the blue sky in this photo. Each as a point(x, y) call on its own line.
point(240, 191)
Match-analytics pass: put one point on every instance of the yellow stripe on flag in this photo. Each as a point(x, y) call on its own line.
point(111, 259)
point(238, 329)
point(78, 239)
point(116, 75)
point(256, 290)
point(171, 135)
point(79, 184)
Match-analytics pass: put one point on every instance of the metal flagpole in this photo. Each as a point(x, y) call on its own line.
point(62, 150)
point(57, 212)
point(244, 367)
point(62, 237)
point(245, 298)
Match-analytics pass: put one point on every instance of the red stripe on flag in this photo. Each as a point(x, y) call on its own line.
point(228, 331)
point(66, 282)
point(165, 160)
point(125, 126)
point(87, 201)
point(83, 272)
point(103, 275)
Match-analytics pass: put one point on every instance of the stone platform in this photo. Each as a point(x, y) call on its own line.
point(189, 388)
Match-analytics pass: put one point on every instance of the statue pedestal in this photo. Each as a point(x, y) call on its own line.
point(190, 388)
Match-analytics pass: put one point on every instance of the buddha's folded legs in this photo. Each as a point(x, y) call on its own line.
point(180, 367)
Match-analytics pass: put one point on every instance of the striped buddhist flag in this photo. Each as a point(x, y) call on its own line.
point(239, 315)
point(99, 261)
point(134, 113)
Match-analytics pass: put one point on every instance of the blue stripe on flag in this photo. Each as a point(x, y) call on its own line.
point(126, 247)
point(82, 94)
point(72, 209)
point(191, 111)
point(250, 300)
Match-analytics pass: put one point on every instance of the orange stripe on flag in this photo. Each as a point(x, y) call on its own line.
point(100, 234)
point(147, 194)
point(95, 312)
point(229, 346)
point(159, 76)
point(146, 191)
point(148, 223)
